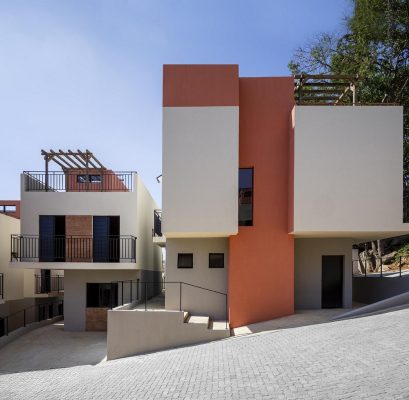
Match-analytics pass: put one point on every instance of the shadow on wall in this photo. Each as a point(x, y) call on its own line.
point(371, 289)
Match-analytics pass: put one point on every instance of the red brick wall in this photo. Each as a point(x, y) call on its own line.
point(11, 203)
point(109, 181)
point(78, 229)
point(96, 319)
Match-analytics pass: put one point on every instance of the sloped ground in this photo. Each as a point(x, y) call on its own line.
point(358, 358)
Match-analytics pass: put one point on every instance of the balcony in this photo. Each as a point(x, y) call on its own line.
point(48, 284)
point(79, 180)
point(157, 236)
point(74, 249)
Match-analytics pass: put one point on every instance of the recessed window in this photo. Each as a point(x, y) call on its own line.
point(216, 260)
point(246, 196)
point(89, 178)
point(8, 208)
point(103, 295)
point(185, 260)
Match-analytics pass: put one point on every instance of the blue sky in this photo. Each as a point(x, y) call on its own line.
point(88, 74)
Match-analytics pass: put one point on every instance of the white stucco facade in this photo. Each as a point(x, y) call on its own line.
point(200, 171)
point(197, 301)
point(308, 253)
point(348, 164)
point(13, 280)
point(135, 209)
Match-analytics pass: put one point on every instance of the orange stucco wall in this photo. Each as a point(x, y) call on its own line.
point(261, 263)
point(200, 85)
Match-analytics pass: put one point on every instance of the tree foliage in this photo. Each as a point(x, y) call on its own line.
point(375, 45)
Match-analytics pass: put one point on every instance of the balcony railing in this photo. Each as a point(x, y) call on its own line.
point(78, 181)
point(48, 284)
point(106, 249)
point(1, 285)
point(157, 223)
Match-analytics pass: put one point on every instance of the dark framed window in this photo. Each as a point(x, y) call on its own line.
point(89, 178)
point(216, 260)
point(246, 196)
point(102, 295)
point(185, 260)
point(8, 208)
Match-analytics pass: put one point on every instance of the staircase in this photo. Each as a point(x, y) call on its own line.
point(135, 331)
point(219, 329)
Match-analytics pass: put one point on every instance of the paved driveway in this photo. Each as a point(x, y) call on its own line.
point(52, 347)
point(364, 358)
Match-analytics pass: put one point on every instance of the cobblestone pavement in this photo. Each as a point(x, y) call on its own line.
point(359, 358)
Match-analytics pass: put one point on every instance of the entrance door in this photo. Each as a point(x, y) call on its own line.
point(52, 238)
point(106, 238)
point(332, 281)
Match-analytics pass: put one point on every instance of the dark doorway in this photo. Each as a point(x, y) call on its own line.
point(103, 295)
point(52, 238)
point(332, 281)
point(106, 239)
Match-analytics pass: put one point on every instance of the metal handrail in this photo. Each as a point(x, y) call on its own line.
point(49, 284)
point(60, 248)
point(67, 181)
point(164, 283)
point(381, 259)
point(7, 317)
point(1, 285)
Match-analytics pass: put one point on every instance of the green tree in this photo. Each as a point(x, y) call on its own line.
point(375, 45)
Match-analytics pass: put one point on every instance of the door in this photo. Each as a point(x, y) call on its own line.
point(52, 238)
point(106, 238)
point(332, 281)
point(100, 233)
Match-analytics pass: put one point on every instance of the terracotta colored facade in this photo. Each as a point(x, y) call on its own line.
point(261, 267)
point(260, 271)
point(200, 85)
point(15, 203)
point(106, 180)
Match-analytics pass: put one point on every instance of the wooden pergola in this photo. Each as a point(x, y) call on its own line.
point(72, 159)
point(321, 89)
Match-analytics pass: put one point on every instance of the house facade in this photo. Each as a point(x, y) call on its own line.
point(264, 197)
point(91, 225)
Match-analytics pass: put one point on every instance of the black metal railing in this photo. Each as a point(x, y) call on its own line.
point(73, 248)
point(364, 266)
point(1, 285)
point(29, 315)
point(140, 291)
point(157, 223)
point(48, 284)
point(78, 181)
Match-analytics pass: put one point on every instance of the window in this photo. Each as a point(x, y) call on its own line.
point(88, 178)
point(185, 260)
point(246, 196)
point(102, 295)
point(7, 208)
point(216, 260)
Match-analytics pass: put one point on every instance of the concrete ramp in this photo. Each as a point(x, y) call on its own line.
point(391, 302)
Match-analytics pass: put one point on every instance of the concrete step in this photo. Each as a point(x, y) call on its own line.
point(199, 320)
point(219, 326)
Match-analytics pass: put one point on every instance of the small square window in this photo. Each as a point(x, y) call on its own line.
point(82, 178)
point(216, 260)
point(95, 178)
point(89, 178)
point(185, 260)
